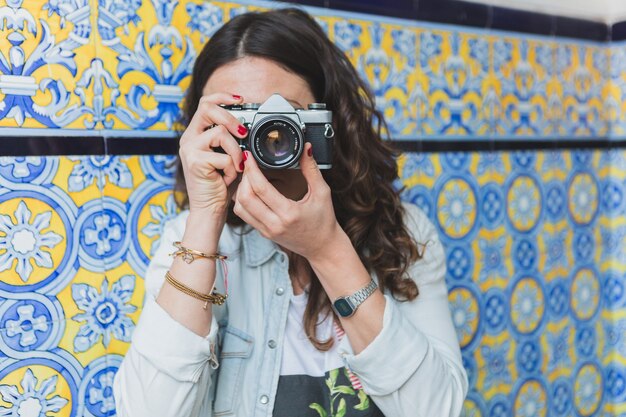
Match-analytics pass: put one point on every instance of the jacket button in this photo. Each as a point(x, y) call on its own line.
point(280, 291)
point(264, 399)
point(271, 344)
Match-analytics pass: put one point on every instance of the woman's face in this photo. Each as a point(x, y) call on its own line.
point(256, 79)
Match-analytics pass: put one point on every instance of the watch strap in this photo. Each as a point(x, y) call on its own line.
point(361, 295)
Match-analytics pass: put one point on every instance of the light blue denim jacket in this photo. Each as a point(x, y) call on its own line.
point(412, 368)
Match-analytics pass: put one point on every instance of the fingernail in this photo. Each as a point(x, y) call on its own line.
point(245, 156)
point(241, 165)
point(242, 130)
point(236, 97)
point(310, 151)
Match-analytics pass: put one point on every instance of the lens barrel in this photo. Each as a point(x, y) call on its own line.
point(276, 142)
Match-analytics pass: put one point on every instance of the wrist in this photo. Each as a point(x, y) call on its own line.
point(202, 231)
point(335, 247)
point(339, 258)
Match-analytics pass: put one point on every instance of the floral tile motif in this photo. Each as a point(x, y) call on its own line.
point(533, 240)
point(455, 65)
point(497, 373)
point(518, 93)
point(125, 66)
point(493, 267)
point(39, 37)
point(139, 206)
point(530, 278)
point(533, 323)
point(96, 389)
point(137, 210)
point(36, 388)
point(615, 93)
point(581, 73)
point(418, 172)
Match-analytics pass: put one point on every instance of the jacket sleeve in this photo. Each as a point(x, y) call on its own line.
point(413, 368)
point(168, 368)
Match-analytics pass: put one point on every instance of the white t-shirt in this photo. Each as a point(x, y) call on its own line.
point(314, 382)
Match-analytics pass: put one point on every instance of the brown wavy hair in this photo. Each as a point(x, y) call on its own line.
point(367, 206)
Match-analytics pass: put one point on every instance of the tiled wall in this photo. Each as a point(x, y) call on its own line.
point(534, 239)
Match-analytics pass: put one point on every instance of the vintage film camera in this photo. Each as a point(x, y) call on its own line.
point(278, 132)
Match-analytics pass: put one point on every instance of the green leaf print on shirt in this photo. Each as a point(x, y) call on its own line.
point(337, 397)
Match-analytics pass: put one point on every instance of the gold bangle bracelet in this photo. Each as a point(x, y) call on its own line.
point(189, 255)
point(213, 298)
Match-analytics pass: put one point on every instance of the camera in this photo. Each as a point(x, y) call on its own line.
point(277, 132)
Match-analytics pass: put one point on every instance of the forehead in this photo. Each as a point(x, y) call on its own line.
point(256, 79)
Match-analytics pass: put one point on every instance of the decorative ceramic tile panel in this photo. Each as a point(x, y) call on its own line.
point(615, 102)
point(534, 239)
point(102, 66)
point(519, 90)
point(46, 49)
point(528, 289)
point(537, 303)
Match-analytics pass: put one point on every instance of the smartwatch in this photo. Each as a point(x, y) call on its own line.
point(346, 306)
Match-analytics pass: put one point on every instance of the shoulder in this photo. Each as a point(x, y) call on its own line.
point(418, 224)
point(432, 266)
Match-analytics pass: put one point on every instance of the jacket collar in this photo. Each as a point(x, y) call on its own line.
point(257, 249)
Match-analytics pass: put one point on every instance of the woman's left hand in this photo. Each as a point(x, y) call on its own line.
point(304, 226)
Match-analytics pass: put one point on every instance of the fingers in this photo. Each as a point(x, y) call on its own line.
point(213, 138)
point(263, 189)
point(249, 219)
point(209, 113)
point(213, 126)
point(220, 137)
point(248, 202)
point(202, 163)
point(311, 171)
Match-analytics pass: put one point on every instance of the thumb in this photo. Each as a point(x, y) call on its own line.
point(310, 170)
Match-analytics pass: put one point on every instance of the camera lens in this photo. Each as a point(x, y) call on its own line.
point(277, 142)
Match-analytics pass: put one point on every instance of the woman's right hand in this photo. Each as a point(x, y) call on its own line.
point(211, 127)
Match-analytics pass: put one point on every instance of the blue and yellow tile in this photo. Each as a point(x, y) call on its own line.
point(497, 373)
point(521, 68)
point(579, 71)
point(531, 398)
point(39, 384)
point(492, 251)
point(47, 48)
point(456, 64)
point(534, 240)
point(555, 241)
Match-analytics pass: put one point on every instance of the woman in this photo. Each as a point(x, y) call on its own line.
point(296, 241)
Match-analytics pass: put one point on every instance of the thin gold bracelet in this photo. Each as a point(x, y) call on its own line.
point(189, 255)
point(213, 298)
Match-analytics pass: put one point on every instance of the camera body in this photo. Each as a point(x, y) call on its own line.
point(277, 132)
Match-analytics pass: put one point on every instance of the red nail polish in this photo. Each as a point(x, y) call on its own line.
point(236, 97)
point(310, 151)
point(245, 156)
point(241, 165)
point(242, 130)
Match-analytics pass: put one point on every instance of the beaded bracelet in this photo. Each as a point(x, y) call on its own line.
point(189, 255)
point(213, 298)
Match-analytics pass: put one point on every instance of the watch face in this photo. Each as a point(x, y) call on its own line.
point(343, 307)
